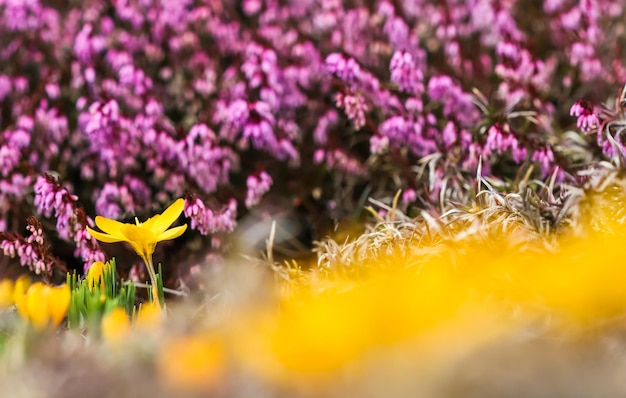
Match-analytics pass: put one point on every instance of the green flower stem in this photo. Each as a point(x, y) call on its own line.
point(153, 279)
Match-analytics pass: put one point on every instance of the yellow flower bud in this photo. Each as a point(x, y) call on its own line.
point(115, 326)
point(95, 274)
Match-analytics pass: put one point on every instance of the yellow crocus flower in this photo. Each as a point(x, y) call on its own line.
point(143, 237)
point(43, 306)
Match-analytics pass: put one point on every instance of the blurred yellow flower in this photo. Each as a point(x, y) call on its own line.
point(42, 305)
point(21, 286)
point(191, 363)
point(149, 317)
point(6, 293)
point(115, 326)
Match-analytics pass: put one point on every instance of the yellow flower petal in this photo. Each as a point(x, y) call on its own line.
point(109, 226)
point(6, 293)
point(95, 275)
point(141, 239)
point(59, 302)
point(115, 326)
point(172, 233)
point(19, 295)
point(138, 234)
point(37, 298)
point(168, 217)
point(104, 237)
point(191, 363)
point(149, 317)
point(149, 223)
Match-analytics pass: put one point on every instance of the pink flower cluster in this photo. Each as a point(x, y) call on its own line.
point(207, 221)
point(258, 185)
point(51, 199)
point(29, 250)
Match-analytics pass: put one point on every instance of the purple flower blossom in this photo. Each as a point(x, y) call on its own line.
point(456, 103)
point(346, 69)
point(355, 108)
point(409, 196)
point(206, 221)
point(587, 120)
point(204, 161)
point(114, 201)
point(405, 74)
point(5, 86)
point(379, 144)
point(28, 251)
point(258, 185)
point(545, 158)
point(500, 139)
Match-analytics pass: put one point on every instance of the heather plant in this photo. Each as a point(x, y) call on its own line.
point(119, 108)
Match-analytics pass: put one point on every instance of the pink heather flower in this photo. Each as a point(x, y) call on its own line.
point(355, 107)
point(203, 160)
point(405, 74)
point(346, 69)
point(456, 103)
point(379, 144)
point(449, 134)
point(237, 113)
point(587, 120)
point(87, 248)
point(15, 187)
point(339, 160)
point(206, 221)
point(5, 86)
point(545, 158)
point(571, 19)
point(28, 250)
point(20, 84)
point(500, 139)
point(519, 154)
point(51, 197)
point(251, 7)
point(9, 159)
point(257, 186)
point(409, 196)
point(320, 134)
point(398, 32)
point(474, 152)
point(402, 132)
point(319, 156)
point(114, 201)
point(580, 52)
point(552, 5)
point(386, 9)
point(466, 139)
point(27, 255)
